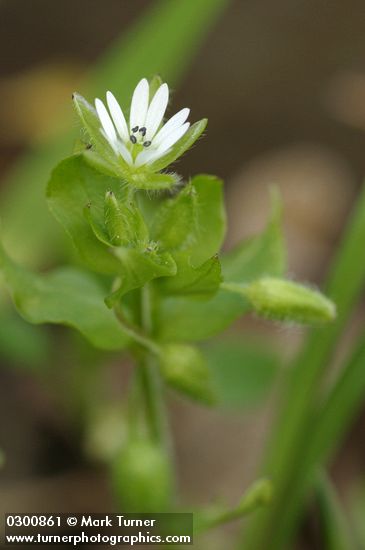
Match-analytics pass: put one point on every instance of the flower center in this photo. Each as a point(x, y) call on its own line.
point(138, 136)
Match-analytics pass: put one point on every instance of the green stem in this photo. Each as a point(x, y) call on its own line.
point(149, 378)
point(295, 427)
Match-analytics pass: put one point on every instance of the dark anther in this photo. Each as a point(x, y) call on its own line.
point(88, 146)
point(143, 131)
point(146, 143)
point(135, 129)
point(133, 139)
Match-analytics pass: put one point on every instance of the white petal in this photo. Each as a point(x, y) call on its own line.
point(173, 137)
point(117, 116)
point(156, 111)
point(139, 104)
point(173, 123)
point(112, 142)
point(106, 121)
point(146, 156)
point(125, 153)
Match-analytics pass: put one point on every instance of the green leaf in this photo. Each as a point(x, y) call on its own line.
point(21, 344)
point(184, 368)
point(187, 141)
point(185, 319)
point(201, 282)
point(139, 268)
point(210, 223)
point(174, 220)
point(67, 297)
point(262, 255)
point(243, 371)
point(74, 185)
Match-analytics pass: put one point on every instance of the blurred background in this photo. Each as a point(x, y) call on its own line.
point(283, 86)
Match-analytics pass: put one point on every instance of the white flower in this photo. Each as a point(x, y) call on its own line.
point(144, 140)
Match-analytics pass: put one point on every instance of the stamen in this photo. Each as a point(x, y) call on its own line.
point(143, 131)
point(133, 139)
point(135, 129)
point(146, 143)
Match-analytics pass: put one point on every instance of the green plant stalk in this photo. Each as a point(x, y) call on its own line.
point(332, 422)
point(149, 381)
point(294, 427)
point(334, 529)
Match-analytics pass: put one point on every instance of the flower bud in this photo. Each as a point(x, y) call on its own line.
point(114, 220)
point(142, 478)
point(185, 369)
point(287, 301)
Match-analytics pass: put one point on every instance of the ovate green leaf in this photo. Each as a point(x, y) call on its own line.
point(264, 254)
point(201, 282)
point(67, 297)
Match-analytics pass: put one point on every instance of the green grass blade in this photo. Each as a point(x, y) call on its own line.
point(295, 425)
point(334, 530)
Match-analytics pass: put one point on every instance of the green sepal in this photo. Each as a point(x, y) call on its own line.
point(124, 223)
point(96, 224)
point(184, 368)
point(154, 83)
point(144, 179)
point(138, 268)
point(91, 123)
point(201, 282)
point(66, 296)
point(284, 300)
point(187, 141)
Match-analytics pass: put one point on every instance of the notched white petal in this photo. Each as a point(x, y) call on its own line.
point(174, 122)
point(139, 104)
point(117, 116)
point(156, 111)
point(173, 137)
point(105, 120)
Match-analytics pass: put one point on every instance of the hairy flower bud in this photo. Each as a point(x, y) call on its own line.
point(285, 300)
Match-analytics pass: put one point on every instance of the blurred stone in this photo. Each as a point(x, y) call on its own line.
point(317, 190)
point(345, 98)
